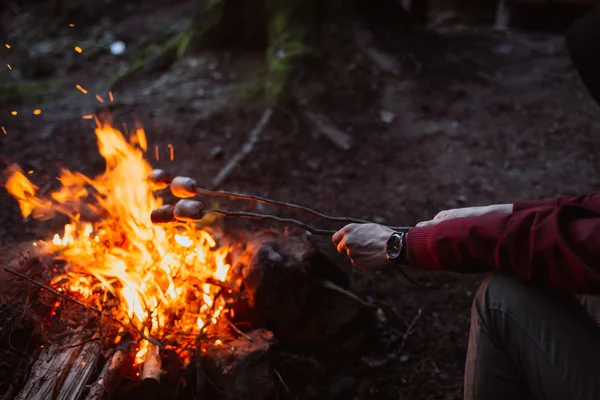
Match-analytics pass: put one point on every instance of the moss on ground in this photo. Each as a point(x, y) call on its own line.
point(29, 91)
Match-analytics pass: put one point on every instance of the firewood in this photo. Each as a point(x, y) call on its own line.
point(242, 368)
point(61, 372)
point(112, 373)
point(151, 369)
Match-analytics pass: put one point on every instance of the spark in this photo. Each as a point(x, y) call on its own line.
point(89, 116)
point(37, 112)
point(30, 172)
point(171, 152)
point(9, 67)
point(14, 112)
point(82, 90)
point(78, 49)
point(4, 130)
point(100, 99)
point(110, 96)
point(156, 155)
point(7, 46)
point(72, 25)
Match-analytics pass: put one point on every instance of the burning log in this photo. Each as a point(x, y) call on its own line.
point(151, 369)
point(241, 368)
point(111, 375)
point(61, 372)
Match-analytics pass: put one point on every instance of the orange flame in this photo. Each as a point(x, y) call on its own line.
point(157, 272)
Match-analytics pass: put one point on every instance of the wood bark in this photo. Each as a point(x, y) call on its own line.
point(62, 371)
point(152, 365)
point(112, 373)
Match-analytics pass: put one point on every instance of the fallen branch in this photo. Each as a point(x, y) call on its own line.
point(325, 127)
point(246, 148)
point(409, 330)
point(287, 389)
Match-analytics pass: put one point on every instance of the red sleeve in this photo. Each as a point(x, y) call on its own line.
point(557, 247)
point(588, 200)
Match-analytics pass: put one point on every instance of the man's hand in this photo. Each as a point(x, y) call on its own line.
point(467, 212)
point(365, 244)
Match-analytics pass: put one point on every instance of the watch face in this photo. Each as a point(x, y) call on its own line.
point(394, 246)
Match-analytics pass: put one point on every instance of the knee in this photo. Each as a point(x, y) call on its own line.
point(499, 292)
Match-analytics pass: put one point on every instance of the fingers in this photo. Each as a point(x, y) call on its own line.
point(428, 223)
point(342, 247)
point(441, 215)
point(339, 235)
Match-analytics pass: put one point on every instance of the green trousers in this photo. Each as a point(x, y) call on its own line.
point(526, 343)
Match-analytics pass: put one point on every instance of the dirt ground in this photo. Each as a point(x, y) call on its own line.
point(473, 117)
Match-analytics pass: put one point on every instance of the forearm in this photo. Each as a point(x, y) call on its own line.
point(591, 201)
point(554, 246)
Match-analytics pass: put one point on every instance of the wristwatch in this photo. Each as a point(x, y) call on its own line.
point(396, 248)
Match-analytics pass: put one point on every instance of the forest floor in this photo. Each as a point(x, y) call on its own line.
point(472, 117)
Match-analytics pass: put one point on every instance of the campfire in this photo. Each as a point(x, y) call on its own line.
point(177, 303)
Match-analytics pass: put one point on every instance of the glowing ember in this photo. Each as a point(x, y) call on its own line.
point(81, 89)
point(37, 112)
point(78, 49)
point(158, 273)
point(14, 112)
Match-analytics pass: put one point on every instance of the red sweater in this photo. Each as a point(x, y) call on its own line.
point(555, 243)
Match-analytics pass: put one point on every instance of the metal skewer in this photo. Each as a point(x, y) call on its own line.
point(185, 187)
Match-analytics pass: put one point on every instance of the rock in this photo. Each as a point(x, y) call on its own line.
point(241, 368)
